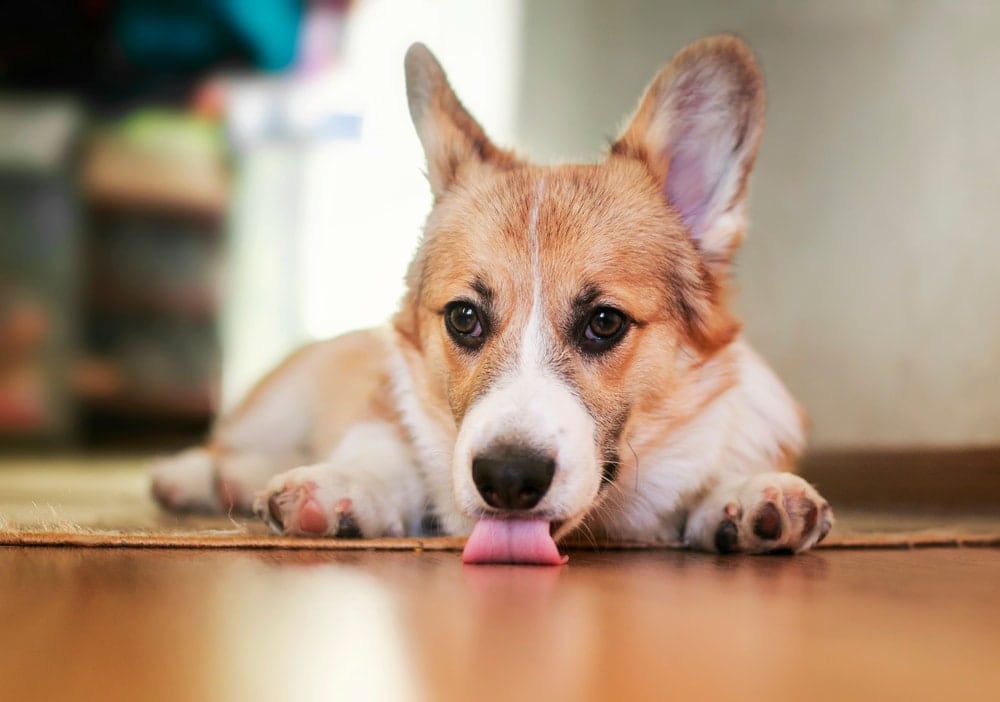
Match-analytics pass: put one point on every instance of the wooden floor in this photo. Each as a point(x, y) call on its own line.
point(117, 624)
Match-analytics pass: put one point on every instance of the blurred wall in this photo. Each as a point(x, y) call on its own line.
point(871, 276)
point(324, 224)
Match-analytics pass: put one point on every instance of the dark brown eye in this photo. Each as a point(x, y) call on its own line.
point(464, 324)
point(605, 327)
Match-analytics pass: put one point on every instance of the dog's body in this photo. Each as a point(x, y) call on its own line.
point(564, 357)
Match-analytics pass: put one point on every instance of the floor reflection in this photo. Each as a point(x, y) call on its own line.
point(125, 624)
point(324, 632)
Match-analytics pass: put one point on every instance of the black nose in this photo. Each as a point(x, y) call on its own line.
point(512, 477)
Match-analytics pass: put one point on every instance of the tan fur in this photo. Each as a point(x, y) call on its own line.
point(630, 246)
point(684, 419)
point(340, 382)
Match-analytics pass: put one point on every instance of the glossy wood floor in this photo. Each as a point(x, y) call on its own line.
point(118, 624)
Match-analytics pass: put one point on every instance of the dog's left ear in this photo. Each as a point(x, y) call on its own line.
point(452, 139)
point(697, 128)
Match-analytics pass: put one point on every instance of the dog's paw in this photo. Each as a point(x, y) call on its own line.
point(186, 482)
point(762, 514)
point(318, 500)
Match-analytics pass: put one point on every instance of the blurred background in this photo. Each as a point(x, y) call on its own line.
point(189, 189)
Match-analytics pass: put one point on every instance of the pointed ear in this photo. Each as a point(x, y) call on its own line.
point(452, 139)
point(697, 128)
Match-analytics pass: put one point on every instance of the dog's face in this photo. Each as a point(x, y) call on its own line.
point(552, 305)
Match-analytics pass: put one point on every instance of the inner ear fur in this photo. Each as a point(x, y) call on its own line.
point(697, 130)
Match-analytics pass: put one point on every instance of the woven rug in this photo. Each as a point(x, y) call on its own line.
point(106, 503)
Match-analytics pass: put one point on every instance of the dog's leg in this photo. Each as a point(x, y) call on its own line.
point(209, 480)
point(261, 437)
point(760, 514)
point(185, 482)
point(370, 486)
point(240, 476)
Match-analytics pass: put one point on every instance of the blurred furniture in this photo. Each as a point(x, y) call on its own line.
point(39, 240)
point(156, 192)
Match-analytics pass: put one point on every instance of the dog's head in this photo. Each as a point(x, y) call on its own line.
point(550, 305)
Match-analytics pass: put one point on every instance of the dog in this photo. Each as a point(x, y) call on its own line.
point(564, 358)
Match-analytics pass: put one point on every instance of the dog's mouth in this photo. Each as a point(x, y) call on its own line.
point(523, 541)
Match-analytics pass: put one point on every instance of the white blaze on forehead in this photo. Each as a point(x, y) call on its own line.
point(532, 406)
point(532, 347)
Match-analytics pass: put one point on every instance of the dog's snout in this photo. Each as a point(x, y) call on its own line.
point(513, 477)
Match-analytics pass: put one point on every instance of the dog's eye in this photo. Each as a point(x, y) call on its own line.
point(605, 326)
point(464, 324)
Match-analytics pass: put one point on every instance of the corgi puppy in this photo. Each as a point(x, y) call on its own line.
point(564, 358)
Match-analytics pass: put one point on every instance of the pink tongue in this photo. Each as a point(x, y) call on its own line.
point(512, 541)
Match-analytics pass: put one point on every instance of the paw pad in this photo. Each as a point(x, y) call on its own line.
point(347, 527)
point(767, 522)
point(312, 518)
point(727, 537)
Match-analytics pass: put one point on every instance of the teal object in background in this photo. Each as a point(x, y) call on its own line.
point(189, 34)
point(271, 27)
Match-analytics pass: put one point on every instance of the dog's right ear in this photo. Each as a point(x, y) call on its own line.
point(697, 129)
point(452, 139)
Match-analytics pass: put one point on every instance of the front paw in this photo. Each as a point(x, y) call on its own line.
point(762, 514)
point(316, 501)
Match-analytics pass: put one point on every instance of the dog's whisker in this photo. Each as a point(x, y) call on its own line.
point(589, 535)
point(635, 463)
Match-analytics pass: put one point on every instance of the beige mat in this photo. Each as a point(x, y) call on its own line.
point(105, 502)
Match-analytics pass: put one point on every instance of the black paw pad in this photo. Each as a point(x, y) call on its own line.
point(348, 528)
point(430, 525)
point(727, 537)
point(767, 522)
